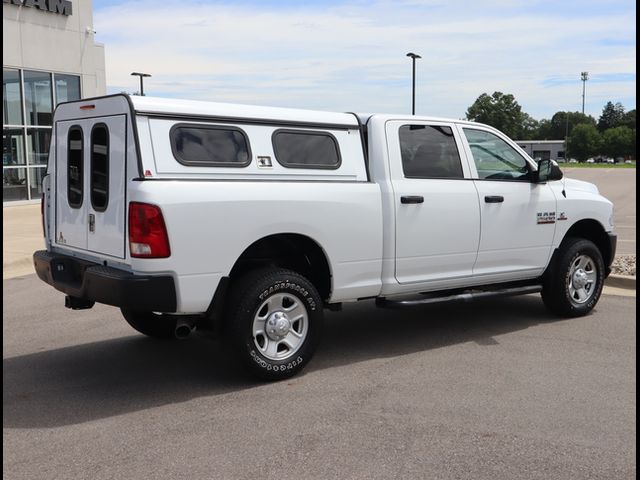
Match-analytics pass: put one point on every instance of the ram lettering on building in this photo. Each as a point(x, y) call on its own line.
point(61, 7)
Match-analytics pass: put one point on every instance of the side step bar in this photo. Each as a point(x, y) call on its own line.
point(383, 302)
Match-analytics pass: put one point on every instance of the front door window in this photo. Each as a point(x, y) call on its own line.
point(494, 158)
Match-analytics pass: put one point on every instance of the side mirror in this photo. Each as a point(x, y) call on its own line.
point(548, 170)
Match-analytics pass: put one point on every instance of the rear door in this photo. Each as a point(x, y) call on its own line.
point(436, 205)
point(90, 185)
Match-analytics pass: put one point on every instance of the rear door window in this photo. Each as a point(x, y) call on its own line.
point(429, 151)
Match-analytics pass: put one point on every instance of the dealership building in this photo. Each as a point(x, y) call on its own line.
point(49, 56)
point(544, 149)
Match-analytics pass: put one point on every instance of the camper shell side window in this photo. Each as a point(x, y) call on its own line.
point(209, 146)
point(306, 149)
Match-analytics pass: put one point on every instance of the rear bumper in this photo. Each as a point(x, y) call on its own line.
point(108, 285)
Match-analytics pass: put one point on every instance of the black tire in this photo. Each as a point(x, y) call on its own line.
point(274, 294)
point(560, 291)
point(151, 324)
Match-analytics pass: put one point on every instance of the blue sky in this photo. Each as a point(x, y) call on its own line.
point(350, 55)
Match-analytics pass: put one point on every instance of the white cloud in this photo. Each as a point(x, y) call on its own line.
point(351, 57)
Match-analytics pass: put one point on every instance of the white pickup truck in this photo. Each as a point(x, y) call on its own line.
point(251, 219)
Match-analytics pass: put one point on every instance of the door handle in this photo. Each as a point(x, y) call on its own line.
point(494, 199)
point(412, 199)
point(92, 222)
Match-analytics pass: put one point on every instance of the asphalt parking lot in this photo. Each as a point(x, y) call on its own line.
point(490, 390)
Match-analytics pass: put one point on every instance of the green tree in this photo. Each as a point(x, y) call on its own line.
point(612, 116)
point(629, 119)
point(584, 142)
point(544, 130)
point(618, 142)
point(562, 124)
point(530, 128)
point(500, 111)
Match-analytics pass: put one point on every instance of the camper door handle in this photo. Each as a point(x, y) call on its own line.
point(92, 222)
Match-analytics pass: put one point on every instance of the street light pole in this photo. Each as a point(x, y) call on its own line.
point(584, 76)
point(413, 90)
point(566, 136)
point(141, 75)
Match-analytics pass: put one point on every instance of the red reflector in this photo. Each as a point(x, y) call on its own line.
point(147, 232)
point(87, 107)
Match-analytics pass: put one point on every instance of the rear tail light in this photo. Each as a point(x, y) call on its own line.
point(147, 232)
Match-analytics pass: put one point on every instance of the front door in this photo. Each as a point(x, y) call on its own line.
point(517, 215)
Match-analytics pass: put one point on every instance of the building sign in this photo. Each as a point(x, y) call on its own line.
point(61, 7)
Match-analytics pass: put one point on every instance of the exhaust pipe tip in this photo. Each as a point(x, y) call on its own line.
point(183, 330)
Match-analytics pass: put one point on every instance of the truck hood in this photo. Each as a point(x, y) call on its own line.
point(579, 185)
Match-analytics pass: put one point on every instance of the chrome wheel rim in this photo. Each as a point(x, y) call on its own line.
point(280, 326)
point(583, 277)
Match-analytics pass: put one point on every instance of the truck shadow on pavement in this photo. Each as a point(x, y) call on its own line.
point(86, 382)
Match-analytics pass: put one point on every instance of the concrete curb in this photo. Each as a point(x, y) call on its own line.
point(621, 281)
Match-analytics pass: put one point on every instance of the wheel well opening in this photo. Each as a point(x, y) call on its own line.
point(288, 250)
point(593, 231)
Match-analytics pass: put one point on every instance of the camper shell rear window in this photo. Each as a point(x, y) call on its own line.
point(75, 174)
point(99, 167)
point(210, 145)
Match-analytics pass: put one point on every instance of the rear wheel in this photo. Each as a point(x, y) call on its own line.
point(574, 284)
point(275, 322)
point(150, 323)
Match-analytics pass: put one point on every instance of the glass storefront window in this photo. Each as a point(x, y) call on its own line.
point(27, 117)
point(38, 97)
point(67, 87)
point(14, 184)
point(13, 147)
point(11, 99)
point(38, 140)
point(35, 181)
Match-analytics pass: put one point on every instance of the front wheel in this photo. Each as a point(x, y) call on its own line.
point(276, 322)
point(574, 284)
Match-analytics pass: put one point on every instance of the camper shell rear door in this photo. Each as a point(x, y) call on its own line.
point(90, 184)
